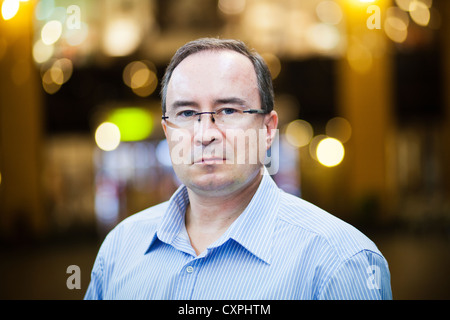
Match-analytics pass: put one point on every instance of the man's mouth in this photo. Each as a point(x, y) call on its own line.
point(213, 160)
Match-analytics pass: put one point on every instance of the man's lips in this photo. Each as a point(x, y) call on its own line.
point(210, 160)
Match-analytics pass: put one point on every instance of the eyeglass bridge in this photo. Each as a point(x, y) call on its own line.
point(212, 113)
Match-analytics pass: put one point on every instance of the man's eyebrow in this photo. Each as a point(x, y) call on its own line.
point(184, 103)
point(231, 100)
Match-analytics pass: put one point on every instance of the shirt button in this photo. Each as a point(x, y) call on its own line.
point(189, 269)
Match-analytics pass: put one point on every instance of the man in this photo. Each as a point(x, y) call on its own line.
point(229, 232)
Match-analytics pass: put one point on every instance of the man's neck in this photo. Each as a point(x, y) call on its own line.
point(207, 218)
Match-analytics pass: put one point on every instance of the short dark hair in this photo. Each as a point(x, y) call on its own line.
point(263, 75)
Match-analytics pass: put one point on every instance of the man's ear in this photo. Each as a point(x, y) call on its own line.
point(271, 123)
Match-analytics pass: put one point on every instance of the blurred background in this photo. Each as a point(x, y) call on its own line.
point(362, 91)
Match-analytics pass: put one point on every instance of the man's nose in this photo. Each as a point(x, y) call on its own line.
point(205, 129)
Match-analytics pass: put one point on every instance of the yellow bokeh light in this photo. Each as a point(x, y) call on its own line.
point(42, 52)
point(57, 75)
point(75, 37)
point(323, 37)
point(148, 87)
point(404, 4)
point(121, 37)
point(329, 12)
point(299, 133)
point(61, 71)
point(313, 145)
point(330, 152)
point(51, 32)
point(10, 9)
point(428, 3)
point(339, 128)
point(107, 136)
point(396, 24)
point(141, 77)
point(48, 84)
point(273, 63)
point(231, 6)
point(419, 13)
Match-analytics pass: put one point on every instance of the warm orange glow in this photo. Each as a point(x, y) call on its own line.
point(10, 9)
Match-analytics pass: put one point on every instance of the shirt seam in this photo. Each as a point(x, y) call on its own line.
point(341, 263)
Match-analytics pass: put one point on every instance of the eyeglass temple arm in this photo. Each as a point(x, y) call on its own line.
point(252, 111)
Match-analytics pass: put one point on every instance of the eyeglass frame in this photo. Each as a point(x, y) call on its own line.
point(212, 113)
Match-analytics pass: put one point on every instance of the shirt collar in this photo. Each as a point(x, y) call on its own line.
point(253, 229)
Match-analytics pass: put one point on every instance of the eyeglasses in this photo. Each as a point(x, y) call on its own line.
point(223, 117)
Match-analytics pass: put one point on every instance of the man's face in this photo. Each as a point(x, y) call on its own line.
point(206, 156)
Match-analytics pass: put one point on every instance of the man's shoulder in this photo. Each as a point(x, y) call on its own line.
point(141, 223)
point(342, 237)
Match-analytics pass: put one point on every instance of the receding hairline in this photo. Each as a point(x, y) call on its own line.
point(213, 51)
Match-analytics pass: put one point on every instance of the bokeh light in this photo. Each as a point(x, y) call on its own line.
point(231, 6)
point(299, 133)
point(273, 64)
point(339, 128)
point(329, 12)
point(107, 136)
point(61, 71)
point(51, 32)
point(323, 37)
point(42, 52)
point(330, 152)
point(141, 77)
point(49, 85)
point(121, 37)
point(75, 37)
point(44, 9)
point(396, 24)
point(313, 145)
point(419, 12)
point(404, 4)
point(134, 123)
point(10, 9)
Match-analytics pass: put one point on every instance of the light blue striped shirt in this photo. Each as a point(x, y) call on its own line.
point(280, 247)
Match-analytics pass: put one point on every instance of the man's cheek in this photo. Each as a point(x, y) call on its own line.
point(180, 146)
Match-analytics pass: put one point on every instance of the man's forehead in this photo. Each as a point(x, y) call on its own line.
point(223, 60)
point(213, 73)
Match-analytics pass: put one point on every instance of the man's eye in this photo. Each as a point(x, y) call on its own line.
point(186, 113)
point(228, 111)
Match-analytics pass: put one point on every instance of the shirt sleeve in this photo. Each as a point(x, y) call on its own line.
point(364, 276)
point(95, 288)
